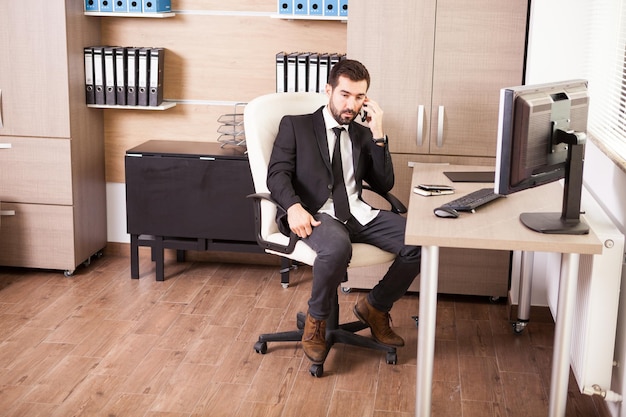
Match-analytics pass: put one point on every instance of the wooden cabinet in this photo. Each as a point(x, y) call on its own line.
point(437, 67)
point(52, 183)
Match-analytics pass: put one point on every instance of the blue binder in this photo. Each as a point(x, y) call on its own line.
point(157, 6)
point(316, 7)
point(343, 7)
point(120, 6)
point(134, 6)
point(331, 8)
point(285, 6)
point(92, 5)
point(106, 5)
point(300, 7)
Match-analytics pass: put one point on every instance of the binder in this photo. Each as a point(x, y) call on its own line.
point(316, 7)
point(155, 95)
point(92, 5)
point(332, 60)
point(106, 5)
point(90, 93)
point(156, 6)
point(331, 8)
point(285, 6)
point(98, 73)
point(281, 74)
point(323, 73)
point(143, 76)
point(313, 73)
point(120, 76)
point(300, 7)
point(120, 6)
point(135, 6)
point(343, 8)
point(302, 71)
point(109, 76)
point(292, 81)
point(132, 68)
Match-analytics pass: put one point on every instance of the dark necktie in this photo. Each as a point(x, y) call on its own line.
point(340, 197)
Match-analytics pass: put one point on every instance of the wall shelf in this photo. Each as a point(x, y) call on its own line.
point(343, 19)
point(163, 106)
point(124, 14)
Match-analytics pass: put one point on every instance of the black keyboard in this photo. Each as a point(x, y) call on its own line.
point(473, 200)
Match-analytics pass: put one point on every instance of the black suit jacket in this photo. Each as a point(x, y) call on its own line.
point(300, 169)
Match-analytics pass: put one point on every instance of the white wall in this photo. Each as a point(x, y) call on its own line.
point(557, 37)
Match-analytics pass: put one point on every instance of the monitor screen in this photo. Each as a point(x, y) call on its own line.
point(541, 135)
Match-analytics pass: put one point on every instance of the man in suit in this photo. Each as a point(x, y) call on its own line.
point(325, 209)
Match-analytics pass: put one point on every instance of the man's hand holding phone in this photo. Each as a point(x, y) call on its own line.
point(373, 114)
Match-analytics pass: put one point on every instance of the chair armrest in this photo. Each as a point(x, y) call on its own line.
point(396, 205)
point(293, 238)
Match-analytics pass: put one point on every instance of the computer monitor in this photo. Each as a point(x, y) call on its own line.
point(541, 139)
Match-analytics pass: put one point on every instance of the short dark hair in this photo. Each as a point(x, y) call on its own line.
point(350, 68)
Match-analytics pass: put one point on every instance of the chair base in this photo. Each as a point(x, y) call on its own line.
point(335, 333)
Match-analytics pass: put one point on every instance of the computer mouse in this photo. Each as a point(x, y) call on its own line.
point(448, 212)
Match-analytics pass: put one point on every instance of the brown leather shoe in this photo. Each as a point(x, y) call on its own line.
point(314, 339)
point(378, 322)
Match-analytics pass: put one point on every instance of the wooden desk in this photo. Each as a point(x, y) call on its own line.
point(495, 226)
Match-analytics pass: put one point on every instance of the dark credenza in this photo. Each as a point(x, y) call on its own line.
point(188, 196)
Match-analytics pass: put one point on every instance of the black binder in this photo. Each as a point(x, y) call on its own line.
point(98, 73)
point(90, 92)
point(143, 77)
point(155, 95)
point(132, 68)
point(120, 76)
point(109, 76)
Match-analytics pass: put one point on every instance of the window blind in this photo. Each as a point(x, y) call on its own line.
point(605, 67)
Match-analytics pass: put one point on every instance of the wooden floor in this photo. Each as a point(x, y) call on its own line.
point(102, 344)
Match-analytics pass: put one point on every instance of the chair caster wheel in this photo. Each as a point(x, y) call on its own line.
point(392, 358)
point(317, 370)
point(260, 347)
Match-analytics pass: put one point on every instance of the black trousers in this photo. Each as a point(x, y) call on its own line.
point(332, 241)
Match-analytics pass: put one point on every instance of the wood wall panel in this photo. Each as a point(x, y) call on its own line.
point(215, 59)
point(239, 5)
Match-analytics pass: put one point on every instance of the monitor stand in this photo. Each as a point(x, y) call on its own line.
point(567, 222)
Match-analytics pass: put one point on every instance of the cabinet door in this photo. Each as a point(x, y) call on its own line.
point(33, 69)
point(479, 49)
point(395, 41)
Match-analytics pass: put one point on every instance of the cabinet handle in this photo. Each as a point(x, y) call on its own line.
point(207, 158)
point(1, 124)
point(5, 146)
point(440, 127)
point(7, 212)
point(420, 125)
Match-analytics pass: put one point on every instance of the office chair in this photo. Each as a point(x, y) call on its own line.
point(262, 116)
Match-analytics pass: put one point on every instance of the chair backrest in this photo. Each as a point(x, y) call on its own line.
point(262, 117)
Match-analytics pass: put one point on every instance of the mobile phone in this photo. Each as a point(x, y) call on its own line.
point(364, 116)
point(435, 187)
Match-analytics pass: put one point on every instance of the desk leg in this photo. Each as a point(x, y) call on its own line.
point(525, 290)
point(568, 284)
point(426, 334)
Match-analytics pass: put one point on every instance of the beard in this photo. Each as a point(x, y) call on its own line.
point(342, 117)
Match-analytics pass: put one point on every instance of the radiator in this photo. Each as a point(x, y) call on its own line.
point(595, 322)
